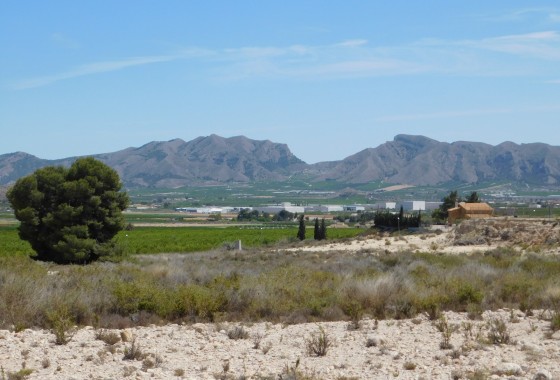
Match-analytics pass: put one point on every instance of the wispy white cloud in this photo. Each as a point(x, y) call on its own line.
point(492, 56)
point(544, 45)
point(92, 68)
point(543, 14)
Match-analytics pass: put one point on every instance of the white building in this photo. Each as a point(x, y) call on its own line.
point(330, 208)
point(275, 209)
point(414, 205)
point(420, 205)
point(200, 210)
point(383, 206)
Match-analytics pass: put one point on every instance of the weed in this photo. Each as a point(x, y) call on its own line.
point(447, 331)
point(108, 337)
point(478, 374)
point(61, 323)
point(355, 311)
point(498, 331)
point(513, 318)
point(555, 321)
point(133, 352)
point(22, 374)
point(151, 361)
point(409, 366)
point(267, 347)
point(257, 338)
point(474, 311)
point(318, 344)
point(46, 363)
point(179, 372)
point(292, 373)
point(238, 332)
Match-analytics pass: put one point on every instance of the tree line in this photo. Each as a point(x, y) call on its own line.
point(319, 230)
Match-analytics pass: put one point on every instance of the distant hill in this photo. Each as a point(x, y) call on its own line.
point(415, 160)
point(419, 160)
point(203, 160)
point(174, 163)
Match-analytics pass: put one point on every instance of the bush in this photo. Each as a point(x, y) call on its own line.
point(238, 332)
point(133, 352)
point(318, 344)
point(498, 332)
point(108, 337)
point(61, 322)
point(555, 321)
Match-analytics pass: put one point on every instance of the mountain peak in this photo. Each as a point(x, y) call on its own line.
point(415, 140)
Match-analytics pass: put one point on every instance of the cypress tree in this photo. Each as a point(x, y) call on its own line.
point(316, 231)
point(323, 230)
point(301, 229)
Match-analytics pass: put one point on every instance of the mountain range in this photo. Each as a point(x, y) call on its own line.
point(413, 160)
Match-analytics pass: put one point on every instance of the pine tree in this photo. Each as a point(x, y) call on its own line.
point(301, 229)
point(70, 215)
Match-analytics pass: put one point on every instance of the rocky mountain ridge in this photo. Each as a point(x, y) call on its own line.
point(414, 160)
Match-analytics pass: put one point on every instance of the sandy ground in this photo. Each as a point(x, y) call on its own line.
point(441, 243)
point(445, 240)
point(405, 349)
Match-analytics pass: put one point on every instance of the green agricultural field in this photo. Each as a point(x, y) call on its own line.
point(11, 244)
point(181, 239)
point(197, 239)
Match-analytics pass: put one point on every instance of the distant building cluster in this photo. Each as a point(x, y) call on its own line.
point(407, 206)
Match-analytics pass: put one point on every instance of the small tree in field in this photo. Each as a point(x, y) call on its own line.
point(70, 215)
point(301, 229)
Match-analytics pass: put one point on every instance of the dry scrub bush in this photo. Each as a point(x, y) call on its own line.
point(409, 366)
point(61, 323)
point(447, 330)
point(133, 352)
point(379, 296)
point(109, 337)
point(238, 332)
point(498, 331)
point(555, 321)
point(276, 287)
point(22, 374)
point(319, 343)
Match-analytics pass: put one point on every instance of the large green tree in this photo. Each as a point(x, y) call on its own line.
point(70, 215)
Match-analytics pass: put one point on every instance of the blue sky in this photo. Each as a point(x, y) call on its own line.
point(328, 78)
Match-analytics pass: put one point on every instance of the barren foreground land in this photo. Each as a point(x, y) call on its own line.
point(501, 344)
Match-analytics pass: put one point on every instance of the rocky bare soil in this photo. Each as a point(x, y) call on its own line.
point(398, 349)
